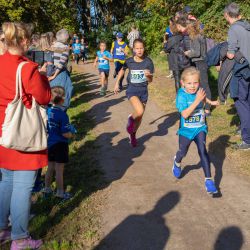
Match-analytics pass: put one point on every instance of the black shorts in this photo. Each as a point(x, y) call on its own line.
point(105, 71)
point(59, 152)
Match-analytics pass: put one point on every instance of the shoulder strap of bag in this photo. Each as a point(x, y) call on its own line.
point(19, 89)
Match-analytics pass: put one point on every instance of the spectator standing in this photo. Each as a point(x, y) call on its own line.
point(238, 40)
point(198, 53)
point(133, 34)
point(19, 169)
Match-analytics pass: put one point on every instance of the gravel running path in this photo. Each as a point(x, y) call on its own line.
point(145, 207)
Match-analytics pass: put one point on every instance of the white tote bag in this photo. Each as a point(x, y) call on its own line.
point(24, 129)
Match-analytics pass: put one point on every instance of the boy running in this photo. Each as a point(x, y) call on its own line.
point(119, 50)
point(190, 103)
point(103, 57)
point(76, 47)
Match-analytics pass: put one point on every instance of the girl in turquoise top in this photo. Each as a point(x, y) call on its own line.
point(190, 103)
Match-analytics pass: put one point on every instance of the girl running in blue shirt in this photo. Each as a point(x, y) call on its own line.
point(103, 57)
point(141, 69)
point(190, 103)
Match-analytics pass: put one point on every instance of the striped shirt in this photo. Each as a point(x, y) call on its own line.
point(61, 55)
point(132, 36)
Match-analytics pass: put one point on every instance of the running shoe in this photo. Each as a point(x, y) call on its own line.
point(176, 170)
point(133, 140)
point(210, 186)
point(4, 236)
point(28, 243)
point(103, 91)
point(131, 124)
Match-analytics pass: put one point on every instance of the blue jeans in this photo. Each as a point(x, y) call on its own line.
point(15, 195)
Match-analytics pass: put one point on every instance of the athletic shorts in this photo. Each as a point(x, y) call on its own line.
point(106, 72)
point(140, 92)
point(59, 152)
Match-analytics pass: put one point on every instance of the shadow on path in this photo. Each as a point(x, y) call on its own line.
point(146, 231)
point(230, 238)
point(217, 153)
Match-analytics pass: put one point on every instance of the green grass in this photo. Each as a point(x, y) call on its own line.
point(73, 224)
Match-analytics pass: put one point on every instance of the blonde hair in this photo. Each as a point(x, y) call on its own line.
point(194, 29)
point(44, 42)
point(58, 94)
point(15, 33)
point(189, 71)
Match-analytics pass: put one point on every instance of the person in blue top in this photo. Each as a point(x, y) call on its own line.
point(190, 103)
point(103, 57)
point(59, 132)
point(119, 51)
point(76, 48)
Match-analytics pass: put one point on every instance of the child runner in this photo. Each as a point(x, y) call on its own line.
point(141, 69)
point(190, 103)
point(103, 57)
point(76, 47)
point(59, 130)
point(119, 51)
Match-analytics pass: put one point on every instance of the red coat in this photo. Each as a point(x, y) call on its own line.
point(34, 84)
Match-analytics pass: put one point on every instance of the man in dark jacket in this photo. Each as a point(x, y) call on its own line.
point(238, 40)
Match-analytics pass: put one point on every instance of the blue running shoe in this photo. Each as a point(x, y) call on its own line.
point(176, 171)
point(210, 186)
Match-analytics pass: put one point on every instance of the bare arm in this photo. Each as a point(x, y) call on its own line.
point(68, 135)
point(95, 62)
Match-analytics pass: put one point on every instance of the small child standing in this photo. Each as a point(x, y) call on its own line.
point(190, 102)
point(103, 57)
point(59, 130)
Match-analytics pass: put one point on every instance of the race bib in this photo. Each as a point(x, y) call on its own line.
point(102, 61)
point(119, 52)
point(196, 120)
point(138, 76)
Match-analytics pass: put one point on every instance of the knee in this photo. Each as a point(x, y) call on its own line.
point(139, 113)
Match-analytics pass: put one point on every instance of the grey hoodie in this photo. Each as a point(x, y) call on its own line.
point(239, 38)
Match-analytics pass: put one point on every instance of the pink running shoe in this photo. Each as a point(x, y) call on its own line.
point(26, 243)
point(4, 236)
point(133, 140)
point(130, 125)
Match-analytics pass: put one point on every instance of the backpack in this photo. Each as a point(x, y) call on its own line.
point(210, 43)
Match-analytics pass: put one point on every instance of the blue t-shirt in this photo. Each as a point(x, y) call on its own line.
point(76, 48)
point(103, 63)
point(196, 122)
point(58, 124)
point(168, 31)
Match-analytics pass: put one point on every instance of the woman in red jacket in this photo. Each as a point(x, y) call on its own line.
point(19, 168)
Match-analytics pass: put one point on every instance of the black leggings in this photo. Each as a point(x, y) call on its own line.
point(200, 141)
point(177, 79)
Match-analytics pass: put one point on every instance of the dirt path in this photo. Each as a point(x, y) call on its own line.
point(145, 207)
